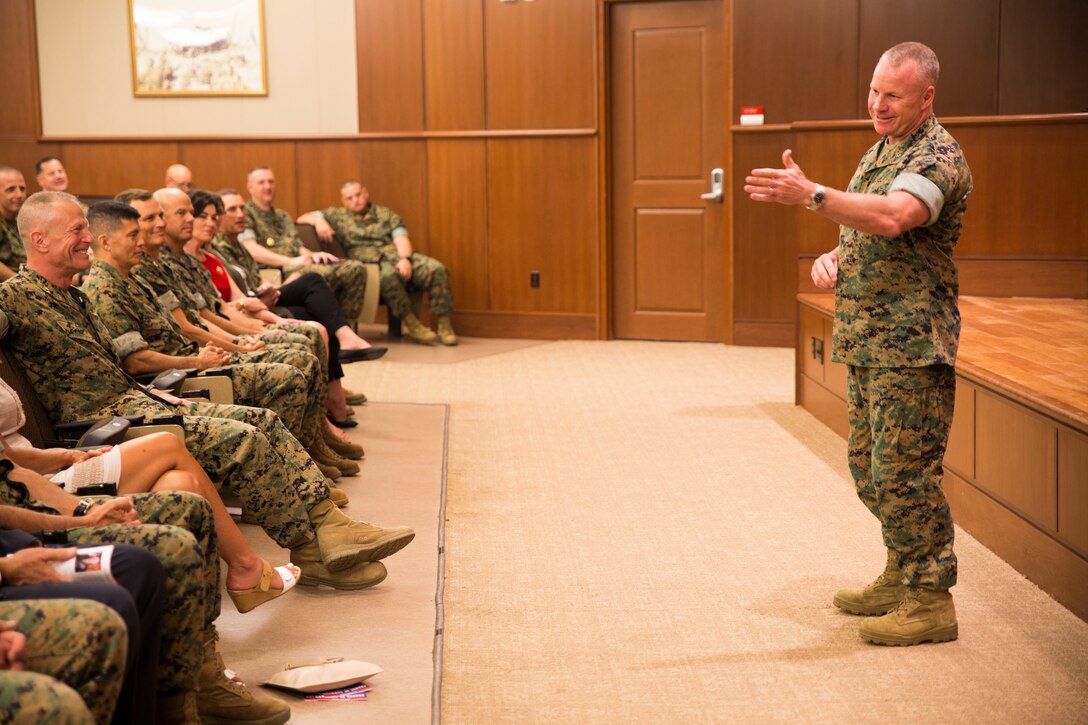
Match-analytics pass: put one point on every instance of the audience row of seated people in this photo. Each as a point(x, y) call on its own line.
point(169, 280)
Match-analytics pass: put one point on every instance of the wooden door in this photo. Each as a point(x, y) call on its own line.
point(667, 82)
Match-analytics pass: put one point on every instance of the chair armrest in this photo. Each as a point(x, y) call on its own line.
point(220, 388)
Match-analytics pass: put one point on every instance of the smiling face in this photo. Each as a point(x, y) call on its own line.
point(205, 224)
point(152, 224)
point(177, 211)
point(12, 193)
point(62, 244)
point(261, 186)
point(53, 177)
point(899, 99)
point(124, 247)
point(234, 214)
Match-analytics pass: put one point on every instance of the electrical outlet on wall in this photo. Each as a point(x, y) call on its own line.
point(534, 279)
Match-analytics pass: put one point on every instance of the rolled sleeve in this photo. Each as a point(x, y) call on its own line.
point(169, 301)
point(923, 190)
point(128, 343)
point(400, 232)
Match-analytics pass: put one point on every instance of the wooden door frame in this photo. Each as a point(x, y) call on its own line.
point(605, 329)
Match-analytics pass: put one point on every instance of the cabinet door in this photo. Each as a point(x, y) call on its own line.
point(810, 341)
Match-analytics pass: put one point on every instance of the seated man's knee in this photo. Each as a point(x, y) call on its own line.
point(29, 697)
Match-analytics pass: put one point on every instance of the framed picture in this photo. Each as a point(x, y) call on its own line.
point(198, 48)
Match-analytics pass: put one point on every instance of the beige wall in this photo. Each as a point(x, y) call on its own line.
point(84, 57)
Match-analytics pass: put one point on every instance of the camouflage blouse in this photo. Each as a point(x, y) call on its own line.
point(896, 298)
point(367, 237)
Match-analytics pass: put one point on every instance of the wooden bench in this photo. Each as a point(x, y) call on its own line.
point(1016, 470)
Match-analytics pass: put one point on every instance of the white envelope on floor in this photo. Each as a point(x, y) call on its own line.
point(323, 675)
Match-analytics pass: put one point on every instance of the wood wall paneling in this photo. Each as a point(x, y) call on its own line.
point(107, 168)
point(1016, 457)
point(322, 167)
point(395, 174)
point(542, 215)
point(22, 106)
point(960, 455)
point(1010, 213)
point(453, 66)
point(764, 237)
point(218, 164)
point(389, 47)
point(963, 34)
point(1073, 488)
point(457, 199)
point(541, 63)
point(796, 58)
point(830, 157)
point(1044, 58)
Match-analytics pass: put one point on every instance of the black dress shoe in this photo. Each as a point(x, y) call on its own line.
point(367, 353)
point(346, 423)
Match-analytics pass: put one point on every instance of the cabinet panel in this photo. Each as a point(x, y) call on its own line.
point(960, 455)
point(835, 373)
point(1073, 488)
point(1016, 457)
point(810, 341)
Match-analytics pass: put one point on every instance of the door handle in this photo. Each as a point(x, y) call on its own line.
point(717, 186)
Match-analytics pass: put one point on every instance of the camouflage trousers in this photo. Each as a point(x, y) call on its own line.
point(899, 424)
point(429, 275)
point(179, 529)
point(73, 644)
point(346, 279)
point(299, 399)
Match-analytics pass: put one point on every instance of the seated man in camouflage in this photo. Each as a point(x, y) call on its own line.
point(146, 339)
point(178, 529)
point(51, 174)
point(375, 234)
point(12, 196)
point(272, 239)
point(60, 661)
point(178, 176)
point(65, 350)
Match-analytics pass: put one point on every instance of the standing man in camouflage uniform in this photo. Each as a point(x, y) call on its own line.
point(65, 351)
point(897, 328)
point(272, 239)
point(12, 196)
point(376, 235)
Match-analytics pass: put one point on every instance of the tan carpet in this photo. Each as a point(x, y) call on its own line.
point(392, 624)
point(651, 532)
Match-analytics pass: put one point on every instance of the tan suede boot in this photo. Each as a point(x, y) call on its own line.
point(446, 335)
point(345, 449)
point(345, 541)
point(361, 576)
point(178, 708)
point(881, 596)
point(224, 699)
point(924, 615)
point(418, 331)
point(323, 455)
point(352, 397)
point(338, 496)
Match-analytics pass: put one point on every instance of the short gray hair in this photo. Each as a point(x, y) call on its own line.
point(36, 210)
point(922, 55)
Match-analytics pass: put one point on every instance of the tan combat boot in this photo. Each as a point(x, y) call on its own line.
point(924, 615)
point(314, 572)
point(177, 708)
point(224, 700)
point(345, 449)
point(446, 335)
point(345, 542)
point(352, 397)
point(323, 455)
point(418, 331)
point(881, 596)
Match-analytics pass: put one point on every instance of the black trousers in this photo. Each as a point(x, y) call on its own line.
point(138, 600)
point(309, 298)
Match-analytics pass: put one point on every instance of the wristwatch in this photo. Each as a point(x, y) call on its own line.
point(817, 199)
point(83, 506)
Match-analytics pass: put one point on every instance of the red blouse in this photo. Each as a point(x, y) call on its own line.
point(219, 275)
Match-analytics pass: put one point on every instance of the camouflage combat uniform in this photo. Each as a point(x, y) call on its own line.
point(65, 351)
point(75, 666)
point(135, 322)
point(275, 231)
point(368, 237)
point(897, 328)
point(12, 252)
point(178, 528)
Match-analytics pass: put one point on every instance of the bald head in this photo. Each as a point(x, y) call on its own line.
point(178, 176)
point(177, 212)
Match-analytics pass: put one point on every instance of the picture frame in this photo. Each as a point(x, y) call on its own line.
point(198, 48)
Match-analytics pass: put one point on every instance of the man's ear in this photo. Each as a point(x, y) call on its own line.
point(39, 241)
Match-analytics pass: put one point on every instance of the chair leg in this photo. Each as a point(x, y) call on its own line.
point(394, 326)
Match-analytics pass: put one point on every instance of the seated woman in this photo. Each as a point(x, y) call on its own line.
point(156, 462)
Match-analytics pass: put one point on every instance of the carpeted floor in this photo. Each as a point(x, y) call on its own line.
point(651, 532)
